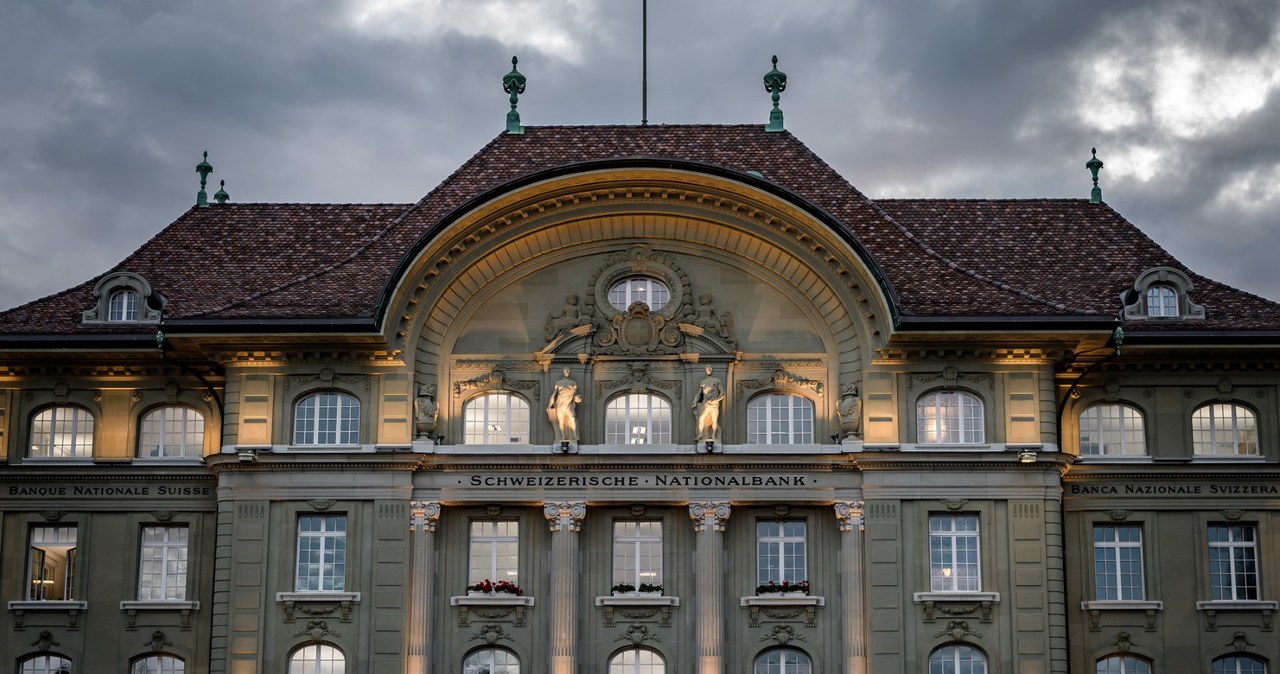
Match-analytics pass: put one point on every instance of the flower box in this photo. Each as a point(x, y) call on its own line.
point(488, 588)
point(784, 589)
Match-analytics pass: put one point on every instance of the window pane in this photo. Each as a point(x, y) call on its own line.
point(328, 418)
point(494, 551)
point(957, 659)
point(172, 432)
point(46, 664)
point(645, 289)
point(162, 564)
point(1112, 429)
point(491, 661)
point(158, 664)
point(637, 419)
point(637, 553)
point(51, 564)
point(61, 433)
point(954, 553)
point(322, 553)
point(317, 659)
point(782, 661)
point(1117, 563)
point(778, 418)
point(781, 552)
point(949, 417)
point(637, 661)
point(496, 419)
point(1224, 429)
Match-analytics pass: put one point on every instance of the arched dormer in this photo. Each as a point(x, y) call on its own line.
point(1161, 293)
point(124, 297)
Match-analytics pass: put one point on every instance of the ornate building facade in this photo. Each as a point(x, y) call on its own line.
point(641, 400)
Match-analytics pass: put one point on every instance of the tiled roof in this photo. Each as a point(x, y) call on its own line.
point(970, 258)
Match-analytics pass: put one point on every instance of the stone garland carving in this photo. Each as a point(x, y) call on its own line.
point(783, 378)
point(662, 612)
point(520, 614)
point(783, 634)
point(958, 630)
point(639, 380)
point(951, 379)
point(316, 630)
point(45, 641)
point(810, 614)
point(325, 377)
point(495, 380)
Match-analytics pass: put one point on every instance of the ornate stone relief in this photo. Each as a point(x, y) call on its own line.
point(951, 378)
point(637, 634)
point(518, 614)
point(714, 513)
point(316, 630)
point(325, 377)
point(565, 513)
point(611, 613)
point(957, 630)
point(496, 380)
point(491, 634)
point(781, 378)
point(1240, 641)
point(45, 641)
point(157, 642)
point(783, 634)
point(849, 514)
point(639, 380)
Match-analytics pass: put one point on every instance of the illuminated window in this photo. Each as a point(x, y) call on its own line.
point(158, 664)
point(496, 419)
point(45, 664)
point(781, 552)
point(782, 661)
point(637, 553)
point(491, 661)
point(645, 289)
point(172, 432)
point(317, 659)
point(62, 433)
point(1162, 302)
point(953, 554)
point(779, 419)
point(122, 307)
point(1239, 664)
point(637, 661)
point(1224, 429)
point(957, 659)
point(328, 418)
point(1112, 429)
point(1117, 563)
point(322, 553)
point(637, 419)
point(494, 551)
point(949, 418)
point(162, 567)
point(1233, 562)
point(1123, 664)
point(51, 564)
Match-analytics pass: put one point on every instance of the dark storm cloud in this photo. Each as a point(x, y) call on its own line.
point(105, 106)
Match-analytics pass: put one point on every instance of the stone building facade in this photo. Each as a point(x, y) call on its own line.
point(641, 400)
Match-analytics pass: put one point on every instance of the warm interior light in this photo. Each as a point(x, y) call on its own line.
point(946, 573)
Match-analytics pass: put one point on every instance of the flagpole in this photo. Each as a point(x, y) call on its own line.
point(644, 58)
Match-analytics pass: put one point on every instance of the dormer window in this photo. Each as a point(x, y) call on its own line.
point(123, 297)
point(1161, 293)
point(123, 307)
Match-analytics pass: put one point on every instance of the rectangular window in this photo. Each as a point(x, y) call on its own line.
point(1117, 563)
point(162, 564)
point(494, 551)
point(954, 553)
point(51, 564)
point(637, 553)
point(781, 551)
point(322, 553)
point(1233, 561)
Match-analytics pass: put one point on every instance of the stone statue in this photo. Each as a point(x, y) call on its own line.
point(706, 407)
point(565, 319)
point(850, 412)
point(425, 411)
point(562, 409)
point(706, 315)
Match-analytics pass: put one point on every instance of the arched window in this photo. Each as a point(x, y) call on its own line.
point(637, 661)
point(45, 664)
point(491, 661)
point(172, 432)
point(1239, 664)
point(782, 661)
point(957, 659)
point(1162, 302)
point(779, 419)
point(949, 418)
point(637, 419)
point(645, 289)
point(496, 419)
point(1112, 429)
point(317, 659)
point(1123, 664)
point(326, 418)
point(1224, 429)
point(158, 664)
point(122, 307)
point(62, 433)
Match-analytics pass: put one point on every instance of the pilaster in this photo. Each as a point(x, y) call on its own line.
point(849, 514)
point(423, 516)
point(564, 519)
point(708, 523)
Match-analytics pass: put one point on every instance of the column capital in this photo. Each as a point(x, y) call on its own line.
point(423, 515)
point(850, 514)
point(560, 514)
point(715, 513)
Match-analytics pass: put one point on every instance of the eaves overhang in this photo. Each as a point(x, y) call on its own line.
point(1201, 338)
point(969, 323)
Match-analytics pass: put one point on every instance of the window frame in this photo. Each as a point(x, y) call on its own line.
point(1237, 660)
point(164, 664)
point(48, 667)
point(1121, 664)
point(761, 412)
point(629, 294)
point(760, 664)
point(953, 651)
point(1167, 301)
point(637, 549)
point(129, 308)
point(930, 413)
point(70, 574)
point(950, 537)
point(335, 580)
point(494, 543)
point(83, 424)
point(1126, 413)
point(186, 449)
point(636, 667)
point(1116, 574)
point(656, 431)
point(511, 412)
point(469, 655)
point(343, 426)
point(778, 544)
point(312, 665)
point(167, 547)
point(1239, 589)
point(1235, 431)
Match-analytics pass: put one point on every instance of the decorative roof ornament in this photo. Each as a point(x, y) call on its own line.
point(513, 83)
point(775, 82)
point(221, 195)
point(1094, 165)
point(204, 168)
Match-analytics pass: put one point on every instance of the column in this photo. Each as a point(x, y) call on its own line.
point(849, 514)
point(565, 519)
point(708, 563)
point(422, 526)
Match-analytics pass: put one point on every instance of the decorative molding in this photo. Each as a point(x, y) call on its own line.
point(783, 634)
point(957, 630)
point(953, 504)
point(951, 379)
point(637, 634)
point(639, 380)
point(496, 380)
point(1240, 641)
point(849, 515)
point(45, 641)
point(53, 515)
point(1231, 514)
point(325, 378)
point(565, 513)
point(316, 630)
point(321, 504)
point(781, 378)
point(1123, 642)
point(1118, 515)
point(715, 513)
point(491, 634)
point(163, 515)
point(423, 515)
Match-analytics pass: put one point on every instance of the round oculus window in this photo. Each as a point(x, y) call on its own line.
point(633, 289)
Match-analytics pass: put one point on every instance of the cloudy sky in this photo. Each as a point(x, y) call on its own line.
point(106, 105)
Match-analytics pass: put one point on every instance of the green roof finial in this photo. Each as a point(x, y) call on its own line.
point(221, 195)
point(204, 168)
point(513, 83)
point(775, 82)
point(1094, 165)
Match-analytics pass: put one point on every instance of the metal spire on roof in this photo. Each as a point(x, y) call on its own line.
point(513, 83)
point(221, 195)
point(1094, 165)
point(204, 168)
point(775, 82)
